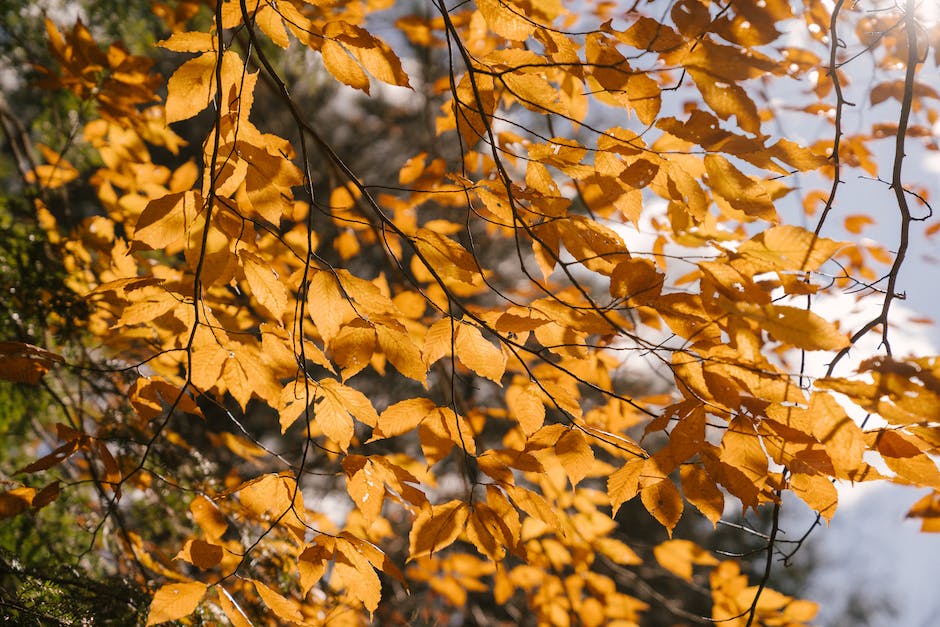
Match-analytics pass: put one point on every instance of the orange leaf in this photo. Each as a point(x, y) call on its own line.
point(623, 485)
point(200, 554)
point(174, 601)
point(741, 191)
point(664, 502)
point(15, 501)
point(283, 608)
point(678, 557)
point(343, 67)
point(357, 574)
point(794, 326)
point(436, 528)
point(506, 19)
point(476, 353)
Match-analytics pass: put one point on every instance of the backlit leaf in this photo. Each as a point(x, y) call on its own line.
point(175, 600)
point(678, 557)
point(436, 528)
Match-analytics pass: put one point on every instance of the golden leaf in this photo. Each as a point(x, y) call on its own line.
point(175, 600)
point(817, 491)
point(265, 286)
point(403, 416)
point(678, 557)
point(283, 607)
point(357, 574)
point(526, 406)
point(192, 86)
point(25, 363)
point(166, 220)
point(787, 247)
point(401, 350)
point(16, 501)
point(338, 404)
point(343, 67)
point(437, 527)
point(794, 326)
point(701, 491)
point(575, 455)
point(663, 501)
point(636, 280)
point(200, 554)
point(207, 515)
point(506, 19)
point(476, 353)
point(623, 484)
point(739, 190)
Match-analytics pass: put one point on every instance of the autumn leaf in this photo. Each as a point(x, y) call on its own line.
point(437, 527)
point(796, 327)
point(175, 600)
point(679, 556)
point(284, 608)
point(567, 260)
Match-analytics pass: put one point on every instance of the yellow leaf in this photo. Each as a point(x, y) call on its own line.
point(413, 168)
point(787, 247)
point(148, 310)
point(701, 491)
point(343, 67)
point(726, 98)
point(445, 256)
point(741, 448)
point(264, 284)
point(479, 355)
point(817, 491)
point(353, 346)
point(623, 484)
point(401, 350)
point(56, 173)
point(283, 608)
point(794, 326)
point(174, 601)
point(506, 19)
point(575, 455)
point(15, 501)
point(382, 63)
point(636, 280)
point(616, 550)
point(439, 340)
point(207, 515)
point(166, 220)
point(357, 574)
point(404, 416)
point(270, 496)
point(535, 505)
point(741, 191)
point(327, 305)
point(188, 42)
point(855, 223)
point(269, 19)
point(366, 486)
point(908, 461)
point(664, 502)
point(233, 612)
point(338, 404)
point(678, 557)
point(525, 405)
point(25, 363)
point(489, 532)
point(928, 510)
point(191, 88)
point(200, 554)
point(436, 527)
